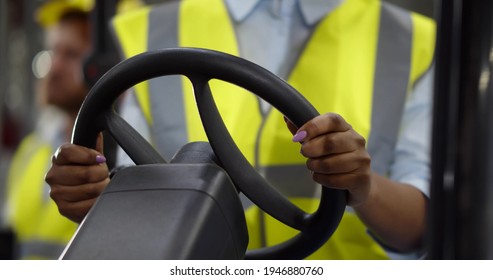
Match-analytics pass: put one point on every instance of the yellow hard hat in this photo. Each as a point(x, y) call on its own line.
point(51, 11)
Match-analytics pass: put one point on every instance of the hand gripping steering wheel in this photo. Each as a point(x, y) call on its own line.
point(200, 66)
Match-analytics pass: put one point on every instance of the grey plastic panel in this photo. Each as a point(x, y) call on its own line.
point(163, 211)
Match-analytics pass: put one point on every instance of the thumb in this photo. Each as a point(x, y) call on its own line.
point(99, 143)
point(290, 125)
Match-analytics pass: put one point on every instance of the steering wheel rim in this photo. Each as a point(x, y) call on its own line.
point(200, 66)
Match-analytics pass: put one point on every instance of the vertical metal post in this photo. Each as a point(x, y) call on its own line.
point(461, 216)
point(473, 190)
point(104, 56)
point(6, 236)
point(441, 222)
point(3, 62)
point(33, 45)
point(3, 89)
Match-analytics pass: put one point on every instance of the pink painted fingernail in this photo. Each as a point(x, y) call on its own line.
point(298, 137)
point(100, 159)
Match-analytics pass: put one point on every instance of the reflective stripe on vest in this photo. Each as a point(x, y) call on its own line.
point(40, 229)
point(131, 31)
point(391, 85)
point(340, 58)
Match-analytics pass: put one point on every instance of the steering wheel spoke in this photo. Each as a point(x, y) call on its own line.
point(137, 148)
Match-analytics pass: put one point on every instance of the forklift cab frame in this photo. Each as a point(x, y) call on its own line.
point(461, 209)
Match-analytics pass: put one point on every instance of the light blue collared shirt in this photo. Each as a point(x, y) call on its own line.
point(273, 33)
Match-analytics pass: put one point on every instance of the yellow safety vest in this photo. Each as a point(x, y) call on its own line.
point(340, 71)
point(42, 232)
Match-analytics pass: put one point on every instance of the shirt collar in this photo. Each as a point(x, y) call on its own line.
point(311, 10)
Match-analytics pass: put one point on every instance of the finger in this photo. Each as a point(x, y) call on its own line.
point(68, 154)
point(76, 211)
point(333, 143)
point(100, 143)
point(60, 193)
point(340, 163)
point(358, 185)
point(319, 125)
point(290, 125)
point(346, 181)
point(73, 175)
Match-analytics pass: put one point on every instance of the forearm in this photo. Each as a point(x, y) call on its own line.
point(395, 213)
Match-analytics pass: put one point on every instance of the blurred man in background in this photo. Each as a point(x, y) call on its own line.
point(41, 232)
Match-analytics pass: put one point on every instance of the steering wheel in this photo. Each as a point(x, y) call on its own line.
point(200, 66)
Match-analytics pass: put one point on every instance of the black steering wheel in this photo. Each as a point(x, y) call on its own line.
point(200, 66)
